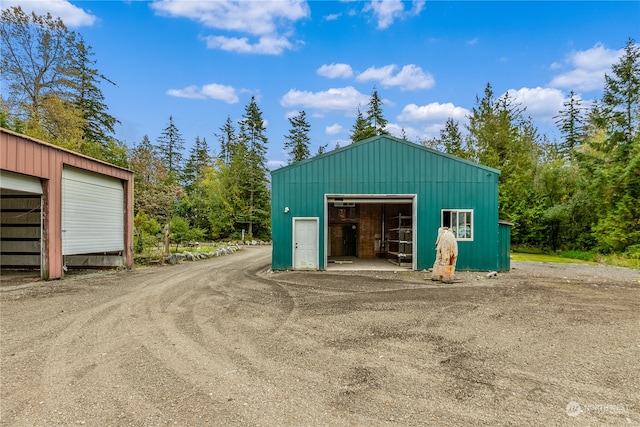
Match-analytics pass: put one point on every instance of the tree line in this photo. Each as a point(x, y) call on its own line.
point(581, 192)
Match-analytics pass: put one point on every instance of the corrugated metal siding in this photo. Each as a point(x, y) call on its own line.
point(504, 253)
point(386, 165)
point(28, 156)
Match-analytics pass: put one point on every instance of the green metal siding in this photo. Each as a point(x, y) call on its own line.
point(504, 255)
point(387, 165)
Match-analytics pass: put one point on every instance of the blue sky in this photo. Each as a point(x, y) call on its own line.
point(201, 61)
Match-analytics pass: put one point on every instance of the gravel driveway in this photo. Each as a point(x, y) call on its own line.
point(226, 342)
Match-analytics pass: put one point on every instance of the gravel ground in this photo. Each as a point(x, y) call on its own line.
point(226, 342)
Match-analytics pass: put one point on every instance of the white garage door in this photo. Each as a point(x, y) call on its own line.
point(92, 213)
point(18, 182)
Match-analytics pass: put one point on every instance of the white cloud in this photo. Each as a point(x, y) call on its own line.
point(335, 70)
point(410, 77)
point(334, 129)
point(588, 68)
point(387, 11)
point(71, 15)
point(541, 103)
point(434, 112)
point(210, 91)
point(343, 99)
point(332, 17)
point(275, 164)
point(265, 45)
point(270, 21)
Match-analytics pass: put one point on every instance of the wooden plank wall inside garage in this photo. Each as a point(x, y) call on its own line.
point(20, 228)
point(370, 225)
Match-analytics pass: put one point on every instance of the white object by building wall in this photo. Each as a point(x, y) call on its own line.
point(92, 213)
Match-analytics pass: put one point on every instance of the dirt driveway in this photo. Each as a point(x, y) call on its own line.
point(223, 342)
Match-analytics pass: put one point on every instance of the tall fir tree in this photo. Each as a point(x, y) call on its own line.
point(199, 159)
point(616, 155)
point(501, 138)
point(227, 138)
point(297, 140)
point(452, 140)
point(249, 160)
point(374, 114)
point(154, 193)
point(362, 129)
point(621, 101)
point(99, 125)
point(170, 147)
point(571, 122)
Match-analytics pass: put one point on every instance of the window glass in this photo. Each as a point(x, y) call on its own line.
point(460, 221)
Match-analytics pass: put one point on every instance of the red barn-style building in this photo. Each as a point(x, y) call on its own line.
point(60, 209)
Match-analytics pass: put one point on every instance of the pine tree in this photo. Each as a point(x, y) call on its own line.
point(621, 101)
point(227, 139)
point(362, 129)
point(451, 139)
point(99, 125)
point(501, 138)
point(297, 141)
point(570, 121)
point(249, 161)
point(154, 194)
point(199, 159)
point(613, 159)
point(170, 147)
point(374, 114)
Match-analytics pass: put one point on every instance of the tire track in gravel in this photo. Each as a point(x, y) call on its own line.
point(163, 321)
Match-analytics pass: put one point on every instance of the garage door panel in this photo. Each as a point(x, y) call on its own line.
point(92, 213)
point(19, 182)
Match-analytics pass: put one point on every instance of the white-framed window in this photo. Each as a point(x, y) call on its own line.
point(460, 221)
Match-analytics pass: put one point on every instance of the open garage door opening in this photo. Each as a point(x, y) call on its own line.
point(20, 223)
point(370, 232)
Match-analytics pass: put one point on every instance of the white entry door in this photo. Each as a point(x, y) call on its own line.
point(305, 243)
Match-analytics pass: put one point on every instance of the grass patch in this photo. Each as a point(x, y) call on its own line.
point(576, 257)
point(540, 257)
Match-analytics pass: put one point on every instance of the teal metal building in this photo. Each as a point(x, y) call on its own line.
point(384, 199)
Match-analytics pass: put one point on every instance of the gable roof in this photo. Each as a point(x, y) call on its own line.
point(422, 150)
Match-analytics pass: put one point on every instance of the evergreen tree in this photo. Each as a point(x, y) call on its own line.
point(374, 114)
point(621, 102)
point(570, 121)
point(297, 141)
point(193, 206)
point(452, 140)
point(154, 193)
point(88, 97)
point(612, 159)
point(199, 159)
point(170, 147)
point(501, 138)
point(362, 129)
point(227, 139)
point(249, 164)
